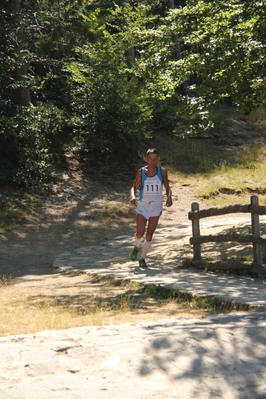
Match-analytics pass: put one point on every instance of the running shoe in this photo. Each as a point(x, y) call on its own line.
point(134, 254)
point(142, 263)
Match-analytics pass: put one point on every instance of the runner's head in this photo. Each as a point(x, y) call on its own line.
point(152, 151)
point(152, 157)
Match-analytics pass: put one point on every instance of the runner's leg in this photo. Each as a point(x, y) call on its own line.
point(153, 222)
point(141, 224)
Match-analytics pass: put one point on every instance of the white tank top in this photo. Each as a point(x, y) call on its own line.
point(151, 190)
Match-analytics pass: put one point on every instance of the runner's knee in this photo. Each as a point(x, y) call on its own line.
point(139, 234)
point(149, 236)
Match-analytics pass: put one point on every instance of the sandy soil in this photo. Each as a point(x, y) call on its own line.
point(73, 214)
point(79, 212)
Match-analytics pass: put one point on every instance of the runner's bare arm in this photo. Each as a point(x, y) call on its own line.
point(168, 190)
point(136, 185)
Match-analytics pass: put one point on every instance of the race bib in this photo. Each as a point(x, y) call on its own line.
point(152, 187)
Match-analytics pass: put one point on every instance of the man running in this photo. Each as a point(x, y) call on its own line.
point(150, 180)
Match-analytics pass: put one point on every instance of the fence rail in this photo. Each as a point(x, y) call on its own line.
point(255, 238)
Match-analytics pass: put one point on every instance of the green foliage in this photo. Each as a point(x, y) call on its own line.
point(10, 215)
point(29, 135)
point(103, 76)
point(224, 48)
point(157, 69)
point(109, 115)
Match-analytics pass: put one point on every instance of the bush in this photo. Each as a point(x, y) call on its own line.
point(25, 141)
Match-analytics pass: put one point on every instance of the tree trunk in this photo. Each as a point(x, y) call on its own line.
point(21, 94)
point(178, 53)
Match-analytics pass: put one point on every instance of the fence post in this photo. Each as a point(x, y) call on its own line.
point(196, 232)
point(255, 224)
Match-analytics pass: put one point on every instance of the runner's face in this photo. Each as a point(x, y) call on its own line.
point(152, 160)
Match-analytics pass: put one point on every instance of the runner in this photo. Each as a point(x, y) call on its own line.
point(150, 180)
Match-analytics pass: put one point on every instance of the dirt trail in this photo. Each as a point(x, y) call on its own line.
point(70, 217)
point(75, 217)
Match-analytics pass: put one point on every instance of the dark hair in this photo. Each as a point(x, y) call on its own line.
point(152, 151)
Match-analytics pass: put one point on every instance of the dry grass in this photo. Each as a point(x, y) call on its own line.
point(222, 174)
point(99, 301)
point(24, 319)
point(226, 168)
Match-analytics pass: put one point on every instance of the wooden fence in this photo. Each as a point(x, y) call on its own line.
point(255, 238)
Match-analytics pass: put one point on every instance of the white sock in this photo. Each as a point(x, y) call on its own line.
point(137, 242)
point(145, 249)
